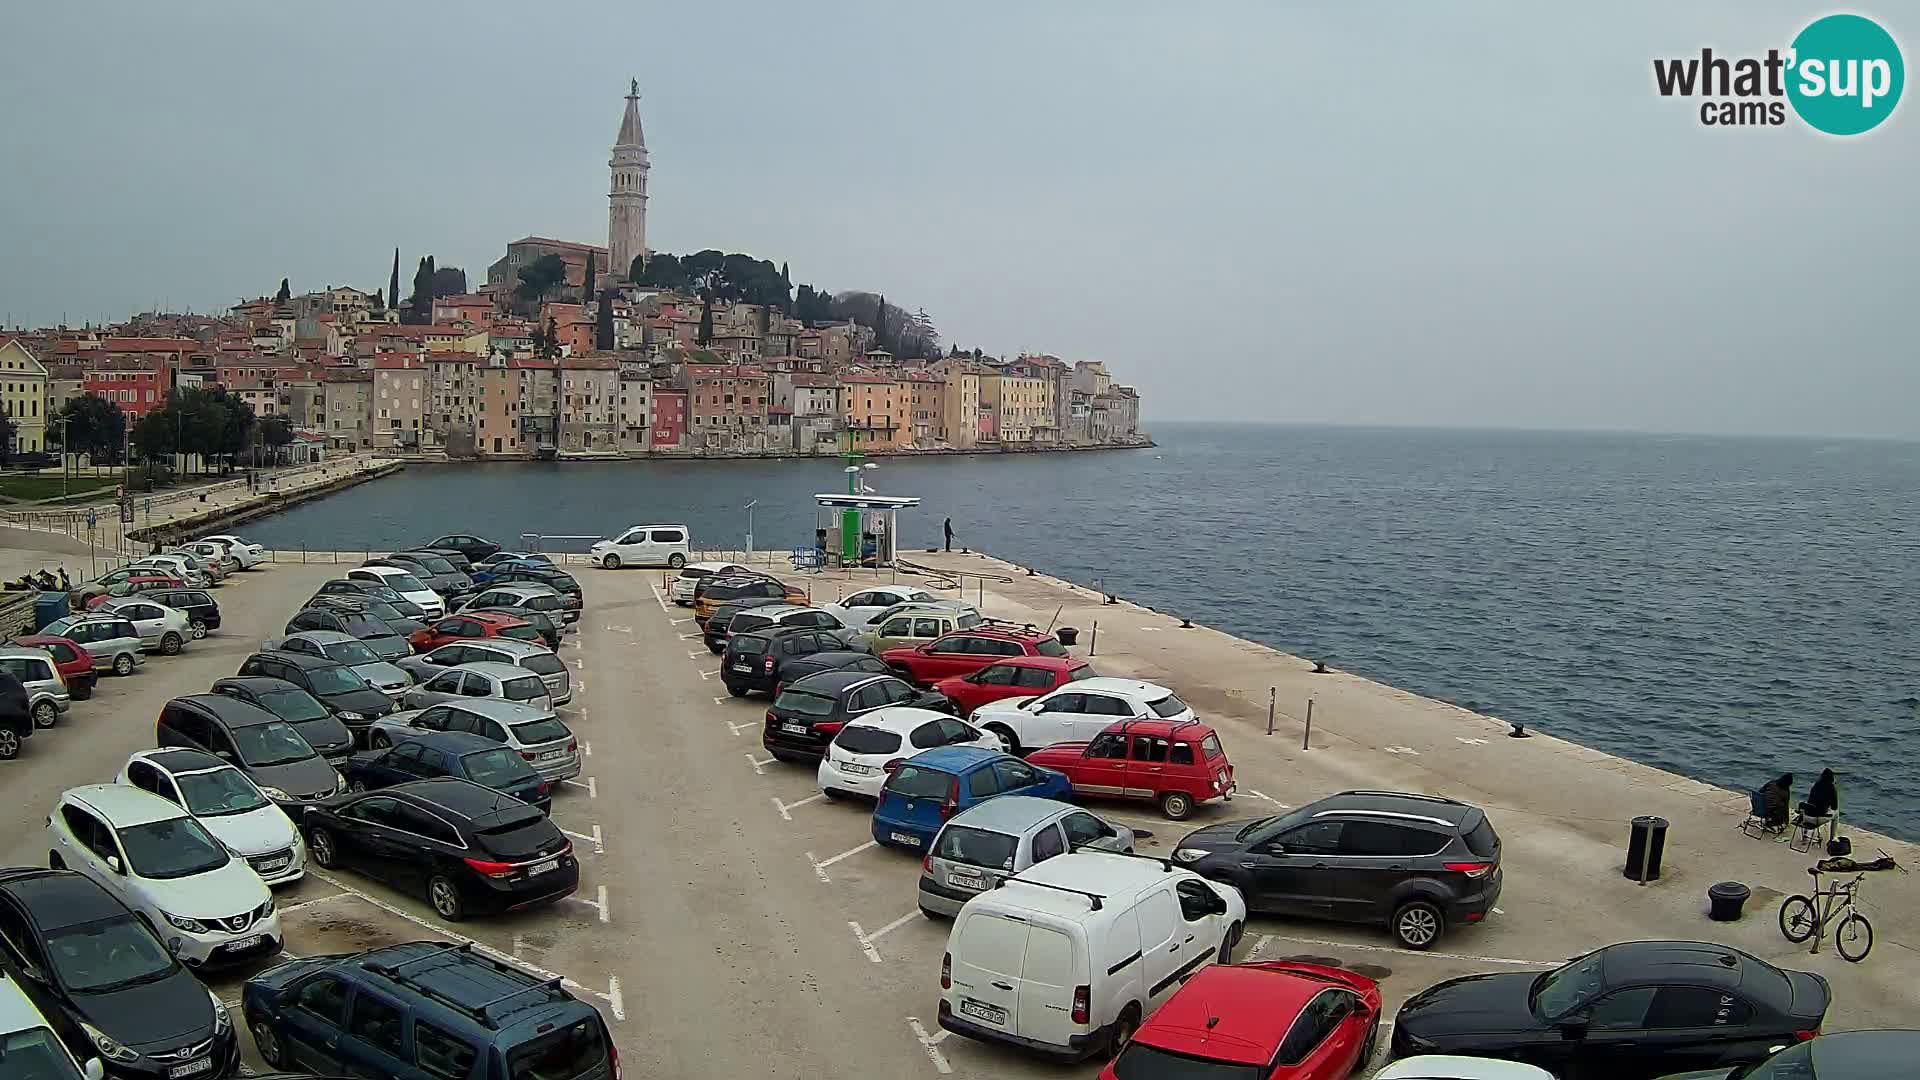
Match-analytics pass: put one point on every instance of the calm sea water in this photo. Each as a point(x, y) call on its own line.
point(1725, 608)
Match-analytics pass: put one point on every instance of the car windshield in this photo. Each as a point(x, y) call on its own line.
point(1049, 647)
point(861, 739)
point(175, 848)
point(116, 951)
point(380, 609)
point(219, 792)
point(34, 1054)
point(525, 688)
point(496, 768)
point(976, 847)
point(545, 729)
point(543, 664)
point(563, 1055)
point(1140, 1061)
point(323, 731)
point(804, 703)
point(916, 782)
point(544, 602)
point(1793, 1063)
point(528, 632)
point(435, 564)
point(293, 705)
point(1566, 987)
point(404, 582)
point(867, 663)
point(1167, 706)
point(335, 680)
point(277, 743)
point(350, 652)
point(361, 626)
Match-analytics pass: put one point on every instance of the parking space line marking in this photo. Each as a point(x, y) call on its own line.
point(296, 906)
point(892, 926)
point(586, 748)
point(820, 868)
point(599, 905)
point(621, 629)
point(708, 674)
point(1269, 798)
point(691, 637)
point(579, 664)
point(677, 622)
point(931, 1044)
point(738, 728)
point(719, 701)
point(693, 655)
point(593, 789)
point(866, 943)
point(785, 807)
point(615, 1003)
point(599, 846)
point(1326, 944)
point(655, 589)
point(758, 764)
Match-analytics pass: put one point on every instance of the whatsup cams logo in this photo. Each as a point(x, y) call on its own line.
point(1842, 75)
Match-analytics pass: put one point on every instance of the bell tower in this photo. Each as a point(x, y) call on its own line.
point(627, 191)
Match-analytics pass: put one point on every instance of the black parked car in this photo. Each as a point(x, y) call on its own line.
point(322, 730)
point(282, 764)
point(719, 625)
point(836, 660)
point(16, 720)
point(558, 580)
point(539, 620)
point(450, 753)
point(438, 573)
point(358, 587)
point(337, 686)
point(203, 613)
point(452, 555)
point(764, 659)
point(374, 633)
point(1844, 1055)
point(1625, 1012)
point(808, 713)
point(104, 982)
point(461, 845)
point(1418, 864)
point(473, 547)
point(372, 606)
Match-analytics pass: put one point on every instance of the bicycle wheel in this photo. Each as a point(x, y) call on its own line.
point(1796, 919)
point(1854, 937)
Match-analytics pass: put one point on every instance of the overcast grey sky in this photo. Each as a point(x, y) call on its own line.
point(1403, 214)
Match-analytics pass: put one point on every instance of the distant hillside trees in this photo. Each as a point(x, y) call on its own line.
point(752, 281)
point(906, 336)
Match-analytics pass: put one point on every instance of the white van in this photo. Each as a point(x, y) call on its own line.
point(1068, 956)
point(644, 545)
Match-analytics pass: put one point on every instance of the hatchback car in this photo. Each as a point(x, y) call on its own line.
point(710, 592)
point(74, 663)
point(681, 592)
point(718, 629)
point(459, 844)
point(410, 588)
point(379, 673)
point(1843, 1055)
point(1276, 1020)
point(348, 696)
point(856, 609)
point(16, 723)
point(837, 660)
point(863, 754)
point(202, 612)
point(533, 656)
point(966, 651)
point(228, 804)
point(808, 713)
point(111, 640)
point(523, 595)
point(368, 605)
point(374, 587)
point(934, 785)
point(429, 754)
point(1016, 676)
point(188, 569)
point(104, 984)
point(994, 840)
point(1624, 1012)
point(249, 555)
point(440, 575)
point(541, 738)
point(475, 548)
point(207, 905)
point(379, 637)
point(539, 620)
point(474, 624)
point(472, 1017)
point(47, 696)
point(1418, 864)
point(643, 545)
point(1078, 711)
point(791, 615)
point(481, 679)
point(314, 721)
point(161, 629)
point(210, 551)
point(913, 624)
point(764, 659)
point(1176, 763)
point(269, 750)
point(538, 574)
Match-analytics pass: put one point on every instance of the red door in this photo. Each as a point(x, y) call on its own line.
point(1102, 769)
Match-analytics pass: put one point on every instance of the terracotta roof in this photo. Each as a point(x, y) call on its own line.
point(590, 363)
point(809, 379)
point(867, 377)
point(148, 344)
point(391, 362)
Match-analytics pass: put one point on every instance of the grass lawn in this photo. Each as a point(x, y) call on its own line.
point(30, 486)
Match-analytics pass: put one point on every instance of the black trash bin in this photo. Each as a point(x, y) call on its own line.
point(1725, 900)
point(1645, 844)
point(1068, 635)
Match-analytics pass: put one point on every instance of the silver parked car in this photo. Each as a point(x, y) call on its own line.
point(535, 658)
point(994, 840)
point(161, 628)
point(537, 735)
point(110, 639)
point(485, 679)
point(349, 650)
point(47, 694)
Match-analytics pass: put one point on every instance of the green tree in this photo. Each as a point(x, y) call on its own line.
point(276, 434)
point(546, 341)
point(93, 426)
point(284, 293)
point(393, 283)
point(446, 281)
point(155, 437)
point(8, 433)
point(586, 285)
point(539, 278)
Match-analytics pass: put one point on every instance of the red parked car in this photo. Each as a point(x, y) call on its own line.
point(964, 652)
point(70, 659)
point(1016, 676)
point(473, 624)
point(139, 583)
point(1279, 1020)
point(1176, 763)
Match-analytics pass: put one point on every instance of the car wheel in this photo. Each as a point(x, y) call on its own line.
point(716, 649)
point(1227, 943)
point(9, 744)
point(929, 913)
point(1366, 1048)
point(1123, 1030)
point(833, 794)
point(676, 560)
point(1008, 740)
point(325, 855)
point(611, 562)
point(170, 644)
point(356, 786)
point(46, 714)
point(82, 691)
point(736, 690)
point(55, 862)
point(123, 664)
point(379, 740)
point(1177, 805)
point(1418, 924)
point(268, 1044)
point(445, 897)
point(198, 628)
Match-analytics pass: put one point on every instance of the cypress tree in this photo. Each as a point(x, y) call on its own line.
point(284, 292)
point(393, 283)
point(586, 290)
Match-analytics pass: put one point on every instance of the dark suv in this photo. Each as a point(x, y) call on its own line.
point(203, 613)
point(807, 714)
point(1417, 863)
point(424, 1009)
point(762, 659)
point(719, 626)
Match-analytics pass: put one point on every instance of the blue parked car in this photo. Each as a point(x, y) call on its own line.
point(935, 785)
point(450, 753)
point(486, 573)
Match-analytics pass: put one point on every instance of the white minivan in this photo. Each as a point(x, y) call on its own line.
point(1068, 956)
point(644, 545)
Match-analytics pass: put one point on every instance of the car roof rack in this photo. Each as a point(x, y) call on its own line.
point(478, 1012)
point(1095, 897)
point(1406, 795)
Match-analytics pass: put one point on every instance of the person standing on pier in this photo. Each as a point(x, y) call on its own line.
point(949, 528)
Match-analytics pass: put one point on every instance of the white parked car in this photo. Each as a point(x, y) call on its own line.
point(110, 639)
point(178, 566)
point(162, 629)
point(206, 905)
point(212, 554)
point(213, 564)
point(1069, 954)
point(249, 555)
point(856, 609)
point(644, 545)
point(228, 804)
point(1455, 1067)
point(867, 750)
point(691, 574)
point(33, 1051)
point(410, 588)
point(1076, 712)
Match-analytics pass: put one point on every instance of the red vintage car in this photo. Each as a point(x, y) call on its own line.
point(473, 624)
point(964, 652)
point(70, 659)
point(1277, 1020)
point(1016, 676)
point(137, 583)
point(1176, 763)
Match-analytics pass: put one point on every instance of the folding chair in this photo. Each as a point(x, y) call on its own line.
point(1808, 827)
point(1756, 824)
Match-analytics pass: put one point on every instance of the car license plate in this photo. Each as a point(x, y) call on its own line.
point(747, 668)
point(795, 729)
point(854, 768)
point(191, 1068)
point(966, 881)
point(244, 943)
point(549, 755)
point(543, 867)
point(992, 1014)
point(274, 865)
point(904, 838)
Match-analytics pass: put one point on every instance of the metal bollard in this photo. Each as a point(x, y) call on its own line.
point(1094, 645)
point(1306, 733)
point(1273, 693)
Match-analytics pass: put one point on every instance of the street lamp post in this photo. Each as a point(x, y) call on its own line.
point(751, 503)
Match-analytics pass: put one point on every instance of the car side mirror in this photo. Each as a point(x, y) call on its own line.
point(113, 864)
point(1573, 1030)
point(94, 1070)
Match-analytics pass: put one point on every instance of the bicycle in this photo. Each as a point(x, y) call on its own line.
point(1803, 917)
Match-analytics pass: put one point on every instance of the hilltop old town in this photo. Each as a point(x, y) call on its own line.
point(575, 350)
